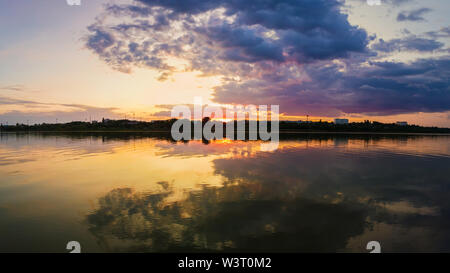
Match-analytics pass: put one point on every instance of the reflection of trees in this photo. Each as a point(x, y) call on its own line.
point(238, 217)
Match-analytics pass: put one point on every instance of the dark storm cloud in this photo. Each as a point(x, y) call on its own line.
point(113, 48)
point(428, 68)
point(99, 40)
point(413, 15)
point(394, 88)
point(383, 88)
point(129, 10)
point(272, 30)
point(411, 42)
point(242, 44)
point(307, 29)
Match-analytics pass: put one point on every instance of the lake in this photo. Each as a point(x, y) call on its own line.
point(122, 192)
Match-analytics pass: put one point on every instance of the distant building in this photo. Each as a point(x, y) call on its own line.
point(341, 121)
point(401, 123)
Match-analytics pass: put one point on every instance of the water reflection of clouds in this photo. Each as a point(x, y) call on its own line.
point(294, 199)
point(230, 218)
point(399, 190)
point(315, 193)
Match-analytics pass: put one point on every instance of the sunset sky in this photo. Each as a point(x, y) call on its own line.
point(322, 58)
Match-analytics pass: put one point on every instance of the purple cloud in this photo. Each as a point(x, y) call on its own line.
point(411, 43)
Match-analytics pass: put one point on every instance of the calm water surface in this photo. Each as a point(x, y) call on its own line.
point(145, 193)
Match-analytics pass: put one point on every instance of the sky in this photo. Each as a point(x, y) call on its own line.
point(138, 58)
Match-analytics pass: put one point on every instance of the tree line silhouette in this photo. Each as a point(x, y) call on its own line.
point(166, 125)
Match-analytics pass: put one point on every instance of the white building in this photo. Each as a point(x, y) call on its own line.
point(341, 121)
point(401, 123)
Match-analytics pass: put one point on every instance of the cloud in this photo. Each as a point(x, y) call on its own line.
point(303, 55)
point(210, 35)
point(381, 88)
point(13, 101)
point(398, 2)
point(413, 15)
point(409, 43)
point(38, 112)
point(16, 87)
point(442, 33)
point(389, 2)
point(244, 44)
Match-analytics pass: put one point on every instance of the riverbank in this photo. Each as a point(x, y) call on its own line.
point(281, 132)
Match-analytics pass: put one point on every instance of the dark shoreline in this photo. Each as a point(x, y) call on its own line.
point(284, 127)
point(281, 132)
